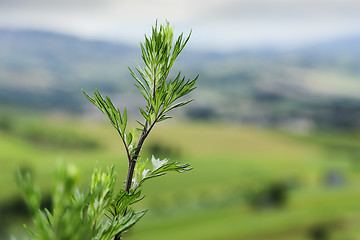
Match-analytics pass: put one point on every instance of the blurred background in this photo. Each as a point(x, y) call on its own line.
point(273, 134)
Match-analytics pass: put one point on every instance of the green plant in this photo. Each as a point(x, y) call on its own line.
point(102, 212)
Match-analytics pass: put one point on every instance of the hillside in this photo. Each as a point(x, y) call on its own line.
point(247, 183)
point(317, 86)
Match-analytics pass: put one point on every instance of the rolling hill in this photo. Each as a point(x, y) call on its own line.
point(316, 86)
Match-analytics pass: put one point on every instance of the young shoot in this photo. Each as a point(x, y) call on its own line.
point(104, 212)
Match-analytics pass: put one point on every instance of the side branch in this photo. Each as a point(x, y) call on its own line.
point(125, 145)
point(134, 157)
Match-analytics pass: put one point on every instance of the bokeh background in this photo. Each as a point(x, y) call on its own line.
point(273, 133)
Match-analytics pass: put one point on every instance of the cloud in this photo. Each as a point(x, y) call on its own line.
point(216, 23)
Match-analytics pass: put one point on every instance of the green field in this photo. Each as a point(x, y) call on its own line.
point(247, 183)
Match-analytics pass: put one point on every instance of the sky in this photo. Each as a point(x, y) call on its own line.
point(219, 25)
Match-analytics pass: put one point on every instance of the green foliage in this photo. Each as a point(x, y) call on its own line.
point(103, 212)
point(159, 168)
point(76, 214)
point(159, 56)
point(160, 93)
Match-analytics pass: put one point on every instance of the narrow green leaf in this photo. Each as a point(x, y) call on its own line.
point(141, 124)
point(129, 138)
point(88, 97)
point(145, 115)
point(30, 231)
point(163, 118)
point(180, 104)
point(143, 92)
point(124, 118)
point(49, 216)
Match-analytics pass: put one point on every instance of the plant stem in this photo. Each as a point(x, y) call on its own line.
point(117, 237)
point(133, 158)
point(132, 163)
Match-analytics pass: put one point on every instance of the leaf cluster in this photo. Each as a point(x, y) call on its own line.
point(159, 168)
point(77, 214)
point(117, 120)
point(161, 94)
point(159, 55)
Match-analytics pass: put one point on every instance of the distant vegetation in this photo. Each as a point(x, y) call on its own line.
point(300, 90)
point(256, 184)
